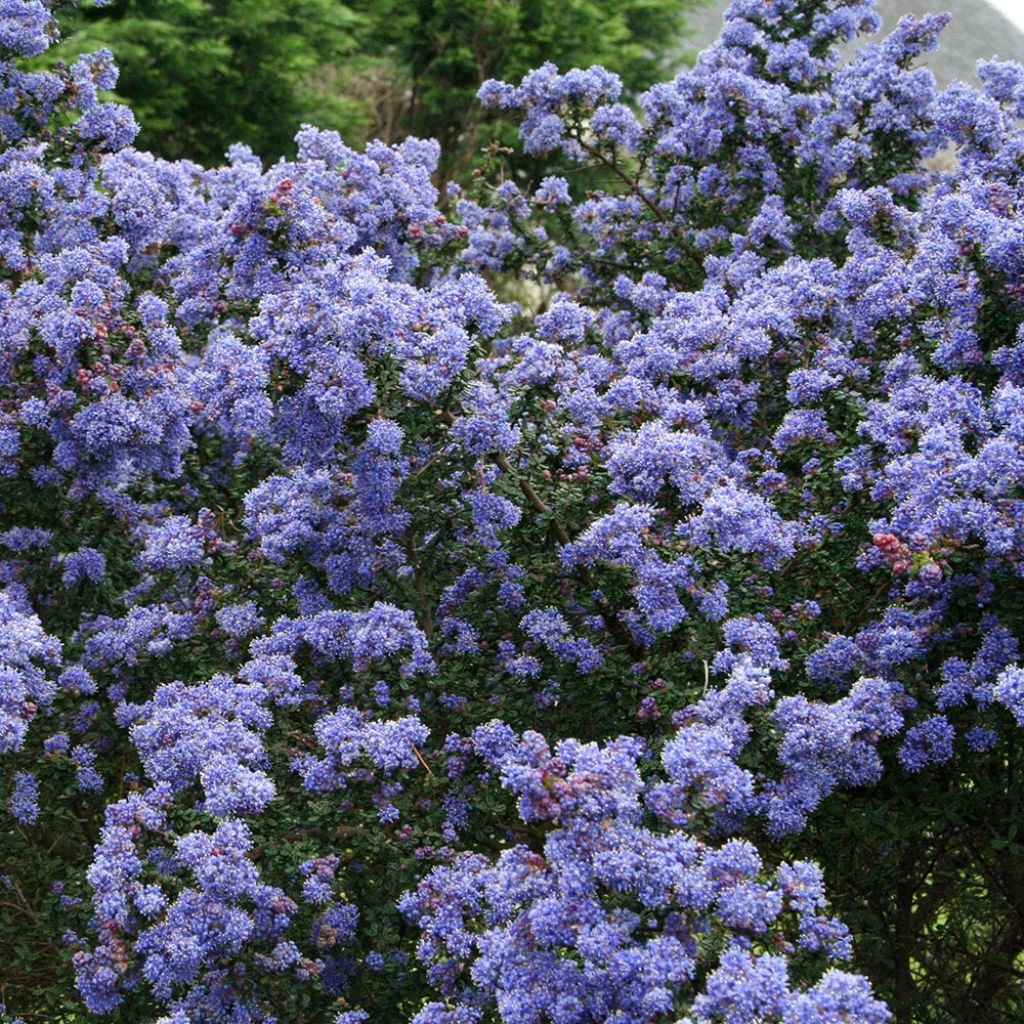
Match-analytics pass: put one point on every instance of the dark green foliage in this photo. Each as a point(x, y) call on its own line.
point(203, 74)
point(442, 51)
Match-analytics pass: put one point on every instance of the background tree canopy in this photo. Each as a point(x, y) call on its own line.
point(203, 74)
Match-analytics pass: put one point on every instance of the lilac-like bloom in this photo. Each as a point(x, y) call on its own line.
point(927, 742)
point(25, 652)
point(210, 733)
point(23, 802)
point(542, 945)
point(1009, 691)
point(174, 544)
point(239, 620)
point(85, 564)
point(350, 740)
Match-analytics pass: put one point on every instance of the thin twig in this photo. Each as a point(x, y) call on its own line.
point(416, 751)
point(633, 185)
point(425, 616)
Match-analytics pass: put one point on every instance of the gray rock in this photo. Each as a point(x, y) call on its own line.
point(977, 32)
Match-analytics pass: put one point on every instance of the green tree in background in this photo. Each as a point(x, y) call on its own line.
point(202, 74)
point(442, 51)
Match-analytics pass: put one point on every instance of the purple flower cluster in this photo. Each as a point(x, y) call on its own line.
point(27, 652)
point(294, 506)
point(606, 920)
point(208, 733)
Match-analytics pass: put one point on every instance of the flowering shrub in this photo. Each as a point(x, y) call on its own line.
point(377, 649)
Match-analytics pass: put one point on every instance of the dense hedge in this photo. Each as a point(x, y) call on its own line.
point(373, 648)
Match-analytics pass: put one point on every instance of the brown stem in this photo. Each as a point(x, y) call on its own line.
point(904, 990)
point(615, 625)
point(425, 617)
point(416, 751)
point(22, 905)
point(426, 465)
point(534, 499)
point(634, 186)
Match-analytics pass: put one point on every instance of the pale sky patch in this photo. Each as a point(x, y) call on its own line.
point(1012, 10)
